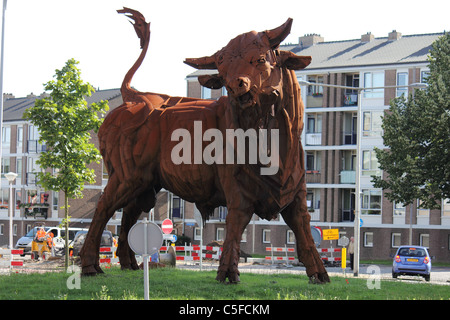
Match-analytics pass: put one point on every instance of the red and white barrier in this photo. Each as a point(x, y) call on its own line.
point(284, 249)
point(194, 252)
point(112, 252)
point(330, 250)
point(11, 262)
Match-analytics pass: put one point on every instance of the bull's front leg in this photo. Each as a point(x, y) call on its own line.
point(236, 222)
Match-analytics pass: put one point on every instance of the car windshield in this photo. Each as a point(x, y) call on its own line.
point(412, 252)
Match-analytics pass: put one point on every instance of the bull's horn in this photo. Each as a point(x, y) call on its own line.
point(202, 63)
point(279, 34)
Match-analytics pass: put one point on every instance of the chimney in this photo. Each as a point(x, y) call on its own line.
point(7, 96)
point(309, 40)
point(31, 96)
point(394, 35)
point(368, 37)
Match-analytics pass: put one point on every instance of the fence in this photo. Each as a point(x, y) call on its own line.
point(194, 254)
point(332, 258)
point(11, 262)
point(284, 250)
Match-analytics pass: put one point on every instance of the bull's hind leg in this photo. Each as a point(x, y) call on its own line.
point(145, 202)
point(116, 195)
point(297, 218)
point(126, 256)
point(236, 222)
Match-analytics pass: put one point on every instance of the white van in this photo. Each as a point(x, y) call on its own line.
point(58, 238)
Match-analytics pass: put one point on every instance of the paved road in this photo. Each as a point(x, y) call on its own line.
point(439, 275)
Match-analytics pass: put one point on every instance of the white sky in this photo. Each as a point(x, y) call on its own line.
point(41, 35)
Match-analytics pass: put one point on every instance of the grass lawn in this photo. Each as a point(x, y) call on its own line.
point(171, 283)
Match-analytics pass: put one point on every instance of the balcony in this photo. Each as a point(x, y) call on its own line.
point(314, 101)
point(350, 99)
point(348, 177)
point(313, 176)
point(349, 138)
point(314, 139)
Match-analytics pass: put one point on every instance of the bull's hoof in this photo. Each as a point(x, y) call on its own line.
point(91, 270)
point(233, 277)
point(319, 278)
point(131, 266)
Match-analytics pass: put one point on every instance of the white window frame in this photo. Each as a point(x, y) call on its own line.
point(396, 236)
point(367, 243)
point(402, 80)
point(266, 236)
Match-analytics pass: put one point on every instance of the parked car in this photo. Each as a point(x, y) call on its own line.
point(58, 238)
point(412, 260)
point(106, 241)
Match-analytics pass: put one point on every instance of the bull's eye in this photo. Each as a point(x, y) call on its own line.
point(261, 60)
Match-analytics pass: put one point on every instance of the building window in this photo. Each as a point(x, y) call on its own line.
point(421, 211)
point(371, 202)
point(244, 236)
point(197, 233)
point(266, 236)
point(372, 124)
point(446, 208)
point(315, 90)
point(424, 76)
point(19, 146)
point(424, 240)
point(176, 207)
point(55, 200)
point(220, 234)
point(6, 166)
point(206, 93)
point(368, 239)
point(402, 80)
point(2, 229)
point(4, 198)
point(399, 209)
point(373, 80)
point(290, 237)
point(396, 240)
point(313, 161)
point(6, 139)
point(370, 165)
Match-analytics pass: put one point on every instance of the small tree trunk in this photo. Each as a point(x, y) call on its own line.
point(66, 214)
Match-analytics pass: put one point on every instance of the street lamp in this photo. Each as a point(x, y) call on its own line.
point(11, 176)
point(357, 218)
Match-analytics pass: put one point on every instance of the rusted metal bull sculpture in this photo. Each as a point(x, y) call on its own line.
point(137, 142)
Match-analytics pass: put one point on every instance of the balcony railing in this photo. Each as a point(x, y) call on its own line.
point(349, 137)
point(313, 176)
point(314, 138)
point(348, 176)
point(350, 99)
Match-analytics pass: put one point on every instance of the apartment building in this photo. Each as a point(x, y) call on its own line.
point(330, 139)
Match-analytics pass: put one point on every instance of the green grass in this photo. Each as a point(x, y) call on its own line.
point(171, 283)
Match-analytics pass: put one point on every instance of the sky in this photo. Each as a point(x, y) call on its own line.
point(41, 35)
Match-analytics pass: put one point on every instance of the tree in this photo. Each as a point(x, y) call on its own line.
point(417, 133)
point(64, 121)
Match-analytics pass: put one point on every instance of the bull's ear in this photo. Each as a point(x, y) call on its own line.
point(293, 61)
point(213, 81)
point(202, 63)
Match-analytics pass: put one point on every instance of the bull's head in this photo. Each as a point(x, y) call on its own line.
point(250, 66)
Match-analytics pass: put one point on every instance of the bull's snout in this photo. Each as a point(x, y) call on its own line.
point(240, 86)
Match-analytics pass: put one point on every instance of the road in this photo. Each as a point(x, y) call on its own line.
point(439, 275)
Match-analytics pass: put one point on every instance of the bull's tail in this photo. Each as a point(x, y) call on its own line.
point(142, 29)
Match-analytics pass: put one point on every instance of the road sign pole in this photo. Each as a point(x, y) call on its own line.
point(145, 256)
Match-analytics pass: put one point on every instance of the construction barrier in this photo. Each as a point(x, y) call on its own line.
point(284, 250)
point(108, 251)
point(194, 250)
point(330, 250)
point(11, 262)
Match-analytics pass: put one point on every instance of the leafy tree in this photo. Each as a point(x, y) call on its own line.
point(64, 121)
point(417, 133)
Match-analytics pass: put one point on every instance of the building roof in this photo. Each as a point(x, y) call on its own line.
point(13, 108)
point(408, 49)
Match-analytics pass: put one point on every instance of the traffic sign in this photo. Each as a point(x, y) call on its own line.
point(167, 226)
point(330, 234)
point(145, 238)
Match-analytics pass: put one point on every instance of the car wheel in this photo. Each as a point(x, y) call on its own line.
point(394, 275)
point(427, 277)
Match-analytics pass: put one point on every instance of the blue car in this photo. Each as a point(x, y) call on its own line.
point(412, 260)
